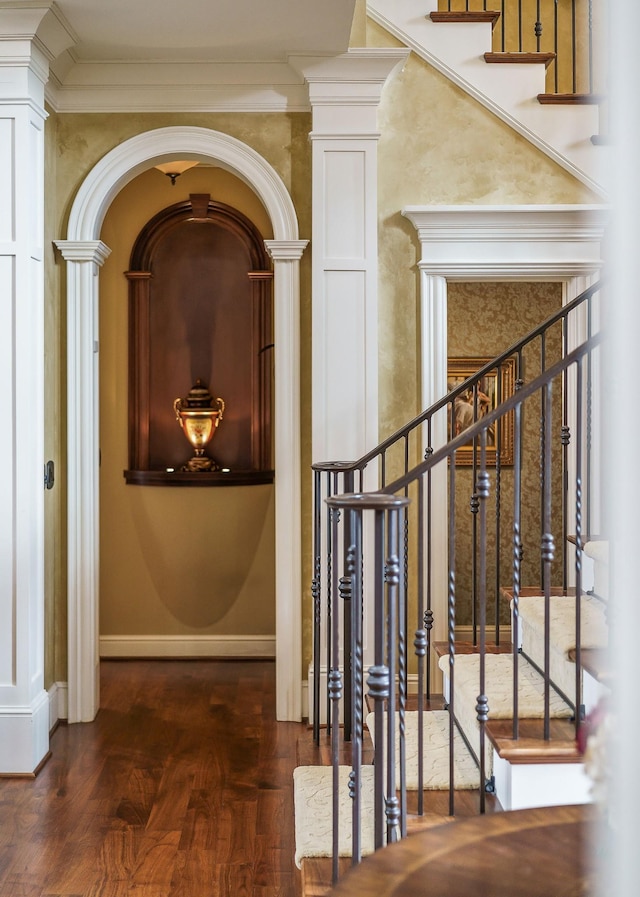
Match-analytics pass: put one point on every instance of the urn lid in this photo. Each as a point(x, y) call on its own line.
point(198, 397)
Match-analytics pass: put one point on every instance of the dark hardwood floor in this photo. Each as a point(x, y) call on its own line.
point(182, 787)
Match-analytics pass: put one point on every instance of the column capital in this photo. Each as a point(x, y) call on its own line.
point(345, 90)
point(84, 251)
point(41, 22)
point(286, 250)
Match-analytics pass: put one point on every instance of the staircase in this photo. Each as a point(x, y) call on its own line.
point(486, 720)
point(513, 85)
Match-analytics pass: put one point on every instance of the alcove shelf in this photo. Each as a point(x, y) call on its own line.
point(198, 478)
point(200, 308)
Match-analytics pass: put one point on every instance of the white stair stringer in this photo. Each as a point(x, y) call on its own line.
point(457, 50)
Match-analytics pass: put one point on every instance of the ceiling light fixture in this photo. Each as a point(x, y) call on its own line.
point(173, 170)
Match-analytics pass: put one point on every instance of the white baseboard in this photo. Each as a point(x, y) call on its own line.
point(253, 646)
point(58, 703)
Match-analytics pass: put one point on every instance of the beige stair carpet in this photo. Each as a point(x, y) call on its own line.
point(435, 752)
point(562, 624)
point(499, 692)
point(313, 810)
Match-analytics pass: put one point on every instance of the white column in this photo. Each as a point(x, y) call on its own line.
point(286, 255)
point(84, 258)
point(24, 708)
point(433, 321)
point(592, 492)
point(344, 93)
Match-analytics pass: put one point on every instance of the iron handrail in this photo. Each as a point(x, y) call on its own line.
point(515, 349)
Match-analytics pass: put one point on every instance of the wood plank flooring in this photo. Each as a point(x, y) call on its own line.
point(182, 787)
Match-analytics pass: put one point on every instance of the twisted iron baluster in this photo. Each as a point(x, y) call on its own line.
point(451, 627)
point(482, 704)
point(392, 578)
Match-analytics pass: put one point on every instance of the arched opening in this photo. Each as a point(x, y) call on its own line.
point(85, 252)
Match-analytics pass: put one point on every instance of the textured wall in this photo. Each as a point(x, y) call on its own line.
point(439, 146)
point(54, 429)
point(484, 320)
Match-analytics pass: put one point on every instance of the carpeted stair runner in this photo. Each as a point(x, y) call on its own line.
point(313, 810)
point(562, 621)
point(499, 691)
point(435, 727)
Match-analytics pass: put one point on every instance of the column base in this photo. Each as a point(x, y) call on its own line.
point(24, 737)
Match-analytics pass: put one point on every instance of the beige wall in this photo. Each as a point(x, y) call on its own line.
point(173, 561)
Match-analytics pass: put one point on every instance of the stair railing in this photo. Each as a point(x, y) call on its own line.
point(384, 687)
point(399, 453)
point(562, 29)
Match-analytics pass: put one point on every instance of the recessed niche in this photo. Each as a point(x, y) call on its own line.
point(200, 308)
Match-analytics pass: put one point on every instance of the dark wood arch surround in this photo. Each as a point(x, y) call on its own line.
point(200, 306)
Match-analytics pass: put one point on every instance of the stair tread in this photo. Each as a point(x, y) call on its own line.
point(531, 746)
point(317, 874)
point(596, 662)
point(569, 99)
point(520, 58)
point(466, 15)
point(464, 647)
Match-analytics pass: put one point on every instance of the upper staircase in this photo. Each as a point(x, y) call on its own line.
point(487, 717)
point(564, 118)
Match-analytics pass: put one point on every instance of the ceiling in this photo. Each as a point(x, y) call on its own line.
point(116, 50)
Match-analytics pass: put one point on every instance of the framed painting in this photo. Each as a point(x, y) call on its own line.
point(481, 398)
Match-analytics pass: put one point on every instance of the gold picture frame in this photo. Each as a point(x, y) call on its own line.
point(489, 392)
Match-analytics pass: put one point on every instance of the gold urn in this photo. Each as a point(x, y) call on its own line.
point(199, 415)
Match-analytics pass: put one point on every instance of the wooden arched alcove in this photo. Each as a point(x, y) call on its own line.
point(200, 307)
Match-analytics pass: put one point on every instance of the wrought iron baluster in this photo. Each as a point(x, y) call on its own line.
point(498, 509)
point(347, 660)
point(354, 572)
point(520, 26)
point(332, 479)
point(574, 48)
point(316, 593)
point(451, 627)
point(482, 704)
point(556, 74)
point(392, 578)
point(429, 603)
point(517, 559)
point(537, 28)
point(335, 688)
point(420, 643)
point(579, 545)
point(547, 553)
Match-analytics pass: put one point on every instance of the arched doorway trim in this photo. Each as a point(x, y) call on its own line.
point(85, 253)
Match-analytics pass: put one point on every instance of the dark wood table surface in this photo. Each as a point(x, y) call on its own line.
point(543, 852)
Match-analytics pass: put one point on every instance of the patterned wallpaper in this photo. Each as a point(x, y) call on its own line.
point(483, 320)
